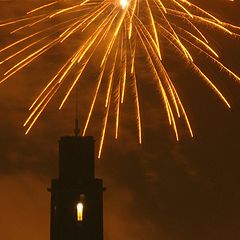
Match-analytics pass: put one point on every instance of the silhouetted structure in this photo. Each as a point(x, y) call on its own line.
point(76, 196)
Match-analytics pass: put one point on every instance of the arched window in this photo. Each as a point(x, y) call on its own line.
point(80, 212)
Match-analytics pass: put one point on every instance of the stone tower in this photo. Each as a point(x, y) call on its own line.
point(76, 196)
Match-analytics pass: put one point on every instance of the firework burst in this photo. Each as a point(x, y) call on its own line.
point(119, 28)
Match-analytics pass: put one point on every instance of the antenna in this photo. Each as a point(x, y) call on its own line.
point(76, 130)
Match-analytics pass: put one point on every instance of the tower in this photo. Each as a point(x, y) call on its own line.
point(76, 196)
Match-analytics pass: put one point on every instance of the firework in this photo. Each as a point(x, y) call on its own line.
point(119, 29)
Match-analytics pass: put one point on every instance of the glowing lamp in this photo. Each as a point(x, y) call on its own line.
point(79, 212)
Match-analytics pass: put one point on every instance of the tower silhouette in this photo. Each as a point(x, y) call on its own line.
point(76, 196)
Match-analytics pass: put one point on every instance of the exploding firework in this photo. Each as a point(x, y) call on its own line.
point(117, 30)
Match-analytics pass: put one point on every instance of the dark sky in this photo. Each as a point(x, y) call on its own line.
point(161, 189)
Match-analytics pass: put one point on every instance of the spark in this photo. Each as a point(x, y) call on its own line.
point(116, 31)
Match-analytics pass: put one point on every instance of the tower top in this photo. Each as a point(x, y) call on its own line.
point(76, 159)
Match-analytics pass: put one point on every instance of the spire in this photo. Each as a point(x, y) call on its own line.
point(76, 130)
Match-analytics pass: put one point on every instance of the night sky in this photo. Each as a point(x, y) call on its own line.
point(161, 189)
